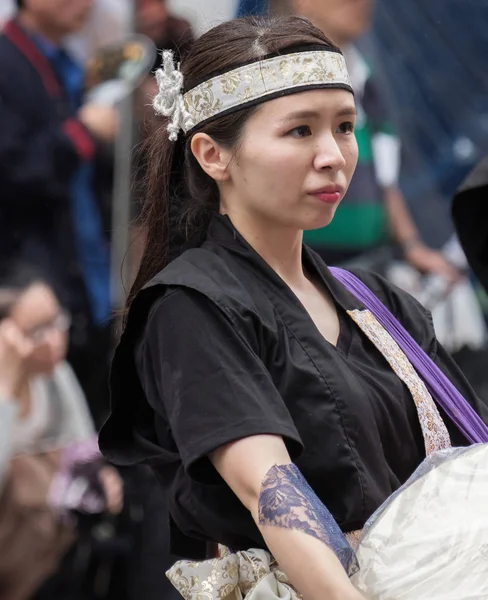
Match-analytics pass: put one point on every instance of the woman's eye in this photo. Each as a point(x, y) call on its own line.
point(300, 132)
point(346, 127)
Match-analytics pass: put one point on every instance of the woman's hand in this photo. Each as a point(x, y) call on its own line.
point(426, 260)
point(15, 349)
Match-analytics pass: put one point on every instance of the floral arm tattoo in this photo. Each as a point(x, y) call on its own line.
point(287, 501)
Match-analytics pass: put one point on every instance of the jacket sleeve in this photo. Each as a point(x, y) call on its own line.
point(39, 161)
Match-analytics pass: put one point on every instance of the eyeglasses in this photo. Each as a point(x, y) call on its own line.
point(61, 322)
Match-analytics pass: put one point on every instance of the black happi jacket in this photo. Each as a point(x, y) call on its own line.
point(218, 348)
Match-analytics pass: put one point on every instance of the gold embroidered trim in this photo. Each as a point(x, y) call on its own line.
point(436, 436)
point(266, 77)
point(232, 577)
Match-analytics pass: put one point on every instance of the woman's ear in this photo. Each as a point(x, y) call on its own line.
point(213, 159)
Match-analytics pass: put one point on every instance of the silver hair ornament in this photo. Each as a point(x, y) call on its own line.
point(169, 102)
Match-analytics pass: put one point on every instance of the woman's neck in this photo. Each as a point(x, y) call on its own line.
point(280, 247)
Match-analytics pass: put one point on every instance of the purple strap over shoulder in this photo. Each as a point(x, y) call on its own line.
point(442, 390)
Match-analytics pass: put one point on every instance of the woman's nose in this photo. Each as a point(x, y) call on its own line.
point(328, 155)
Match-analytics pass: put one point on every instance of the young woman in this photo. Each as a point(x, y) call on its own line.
point(272, 420)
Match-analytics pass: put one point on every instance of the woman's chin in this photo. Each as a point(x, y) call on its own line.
point(321, 218)
point(319, 223)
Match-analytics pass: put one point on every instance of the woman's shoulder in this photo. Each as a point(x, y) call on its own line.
point(411, 314)
point(197, 267)
point(200, 279)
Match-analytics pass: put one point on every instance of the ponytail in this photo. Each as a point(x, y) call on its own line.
point(158, 153)
point(179, 197)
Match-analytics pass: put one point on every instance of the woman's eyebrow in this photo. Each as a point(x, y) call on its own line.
point(347, 111)
point(300, 114)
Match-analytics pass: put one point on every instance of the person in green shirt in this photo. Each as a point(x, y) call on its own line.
point(373, 212)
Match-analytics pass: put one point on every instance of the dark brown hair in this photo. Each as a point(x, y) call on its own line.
point(180, 197)
point(16, 278)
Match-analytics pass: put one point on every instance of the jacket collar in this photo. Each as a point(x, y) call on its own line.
point(223, 233)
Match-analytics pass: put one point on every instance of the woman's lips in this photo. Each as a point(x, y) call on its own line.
point(328, 197)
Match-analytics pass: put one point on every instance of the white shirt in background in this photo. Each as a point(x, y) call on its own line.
point(7, 9)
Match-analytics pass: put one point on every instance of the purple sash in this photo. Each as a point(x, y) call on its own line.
point(441, 389)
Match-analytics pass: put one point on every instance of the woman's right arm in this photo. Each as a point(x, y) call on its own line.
point(289, 515)
point(203, 374)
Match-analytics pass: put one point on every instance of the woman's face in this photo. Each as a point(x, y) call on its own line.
point(295, 161)
point(38, 314)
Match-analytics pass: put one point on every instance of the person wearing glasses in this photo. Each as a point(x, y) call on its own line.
point(52, 447)
point(52, 409)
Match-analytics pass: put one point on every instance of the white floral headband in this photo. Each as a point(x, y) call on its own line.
point(244, 86)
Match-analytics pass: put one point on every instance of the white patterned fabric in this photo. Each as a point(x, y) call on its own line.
point(429, 541)
point(256, 81)
point(250, 575)
point(434, 430)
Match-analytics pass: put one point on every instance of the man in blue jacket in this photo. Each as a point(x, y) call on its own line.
point(50, 144)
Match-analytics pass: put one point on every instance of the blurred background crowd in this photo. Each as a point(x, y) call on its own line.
point(75, 89)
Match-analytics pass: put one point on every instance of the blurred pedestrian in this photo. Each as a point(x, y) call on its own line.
point(374, 208)
point(54, 463)
point(52, 150)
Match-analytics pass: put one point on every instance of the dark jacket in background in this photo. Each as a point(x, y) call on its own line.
point(42, 148)
point(42, 144)
point(470, 213)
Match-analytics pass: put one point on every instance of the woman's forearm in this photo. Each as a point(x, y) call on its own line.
point(303, 536)
point(311, 566)
point(299, 531)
